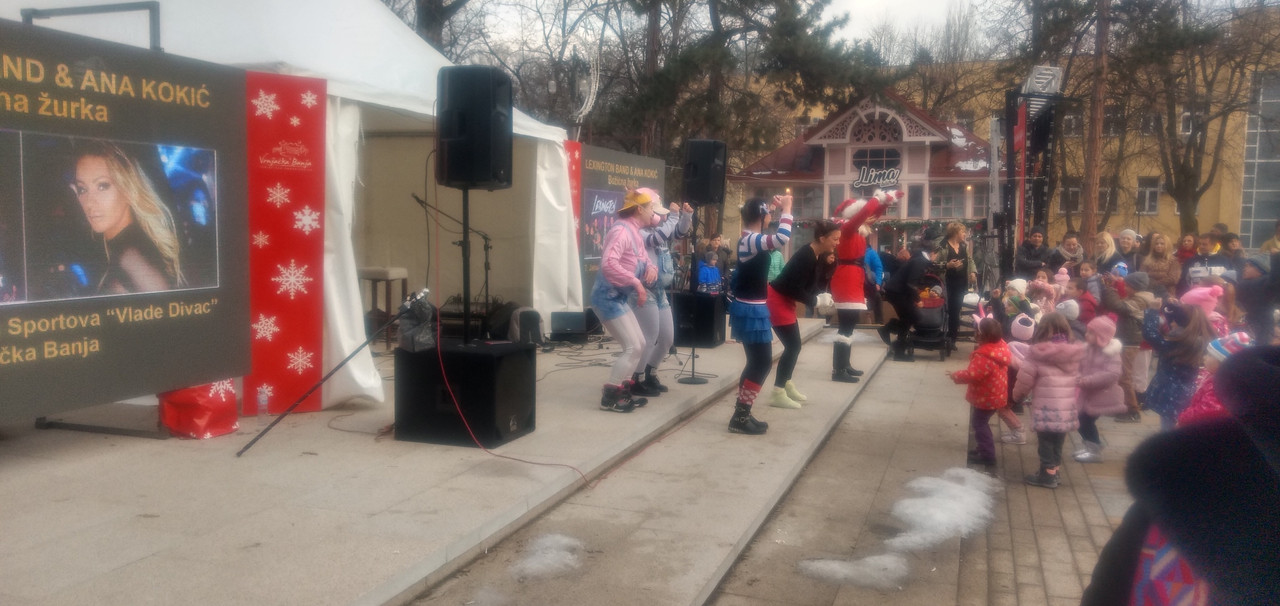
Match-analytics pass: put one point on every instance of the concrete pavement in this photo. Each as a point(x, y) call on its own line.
point(911, 421)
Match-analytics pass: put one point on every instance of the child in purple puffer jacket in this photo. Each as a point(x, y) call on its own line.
point(1049, 374)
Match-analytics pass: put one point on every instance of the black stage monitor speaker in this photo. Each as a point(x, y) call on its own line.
point(473, 128)
point(704, 165)
point(494, 384)
point(574, 326)
point(699, 319)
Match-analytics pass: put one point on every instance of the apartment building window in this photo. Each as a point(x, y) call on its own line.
point(946, 202)
point(1069, 195)
point(1072, 125)
point(1150, 124)
point(1112, 121)
point(1108, 196)
point(1148, 199)
point(981, 201)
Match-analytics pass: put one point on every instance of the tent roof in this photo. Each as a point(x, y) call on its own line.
point(363, 50)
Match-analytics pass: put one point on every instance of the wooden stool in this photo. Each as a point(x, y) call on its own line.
point(384, 276)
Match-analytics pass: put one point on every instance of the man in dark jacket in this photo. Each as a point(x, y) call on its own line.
point(1032, 255)
point(1206, 263)
point(902, 291)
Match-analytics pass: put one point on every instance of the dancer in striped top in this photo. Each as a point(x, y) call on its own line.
point(749, 312)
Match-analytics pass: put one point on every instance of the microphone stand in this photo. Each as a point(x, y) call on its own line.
point(693, 378)
point(465, 243)
point(412, 299)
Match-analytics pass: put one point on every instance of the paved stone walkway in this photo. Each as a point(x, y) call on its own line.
point(909, 422)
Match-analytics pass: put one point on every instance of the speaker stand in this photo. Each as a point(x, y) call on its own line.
point(693, 378)
point(466, 266)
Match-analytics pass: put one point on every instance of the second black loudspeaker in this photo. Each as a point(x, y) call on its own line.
point(704, 167)
point(473, 128)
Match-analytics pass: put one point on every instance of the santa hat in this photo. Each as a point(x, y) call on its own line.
point(1062, 277)
point(1230, 344)
point(1103, 327)
point(1204, 297)
point(850, 207)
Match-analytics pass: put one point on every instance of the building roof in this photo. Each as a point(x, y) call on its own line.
point(795, 161)
point(957, 153)
point(967, 156)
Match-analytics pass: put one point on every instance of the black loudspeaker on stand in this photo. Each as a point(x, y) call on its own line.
point(473, 128)
point(704, 168)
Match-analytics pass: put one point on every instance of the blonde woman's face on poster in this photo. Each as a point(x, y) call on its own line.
point(100, 199)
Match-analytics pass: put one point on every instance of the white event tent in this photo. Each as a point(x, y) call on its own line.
point(382, 94)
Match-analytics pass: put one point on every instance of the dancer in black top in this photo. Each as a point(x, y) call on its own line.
point(799, 282)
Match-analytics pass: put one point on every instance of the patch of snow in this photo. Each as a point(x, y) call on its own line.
point(957, 137)
point(549, 555)
point(886, 571)
point(978, 164)
point(957, 504)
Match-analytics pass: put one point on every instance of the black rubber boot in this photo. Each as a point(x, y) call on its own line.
point(640, 388)
point(743, 422)
point(839, 364)
point(848, 368)
point(651, 379)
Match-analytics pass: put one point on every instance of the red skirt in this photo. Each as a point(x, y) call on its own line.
point(782, 309)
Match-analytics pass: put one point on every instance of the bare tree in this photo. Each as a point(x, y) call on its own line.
point(1193, 70)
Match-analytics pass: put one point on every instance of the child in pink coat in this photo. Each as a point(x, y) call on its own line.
point(1049, 374)
point(1099, 383)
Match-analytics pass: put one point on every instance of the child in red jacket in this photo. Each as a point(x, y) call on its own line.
point(988, 380)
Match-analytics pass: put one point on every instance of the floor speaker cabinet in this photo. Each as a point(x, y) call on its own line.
point(699, 319)
point(494, 384)
point(574, 326)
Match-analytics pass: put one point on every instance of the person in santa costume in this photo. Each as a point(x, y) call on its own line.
point(848, 282)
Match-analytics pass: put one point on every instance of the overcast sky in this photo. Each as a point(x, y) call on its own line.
point(906, 14)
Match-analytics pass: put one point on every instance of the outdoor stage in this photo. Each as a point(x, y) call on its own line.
point(319, 511)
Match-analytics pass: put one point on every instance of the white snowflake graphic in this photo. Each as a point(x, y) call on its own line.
point(265, 327)
point(221, 389)
point(265, 104)
point(261, 239)
point(300, 360)
point(295, 121)
point(306, 220)
point(265, 392)
point(292, 279)
point(278, 195)
point(309, 99)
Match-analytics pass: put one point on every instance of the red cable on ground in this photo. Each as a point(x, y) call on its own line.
point(456, 405)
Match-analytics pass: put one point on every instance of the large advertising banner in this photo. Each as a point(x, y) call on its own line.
point(123, 249)
point(286, 117)
point(606, 176)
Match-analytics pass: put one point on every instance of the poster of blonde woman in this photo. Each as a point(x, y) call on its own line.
point(114, 218)
point(124, 241)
